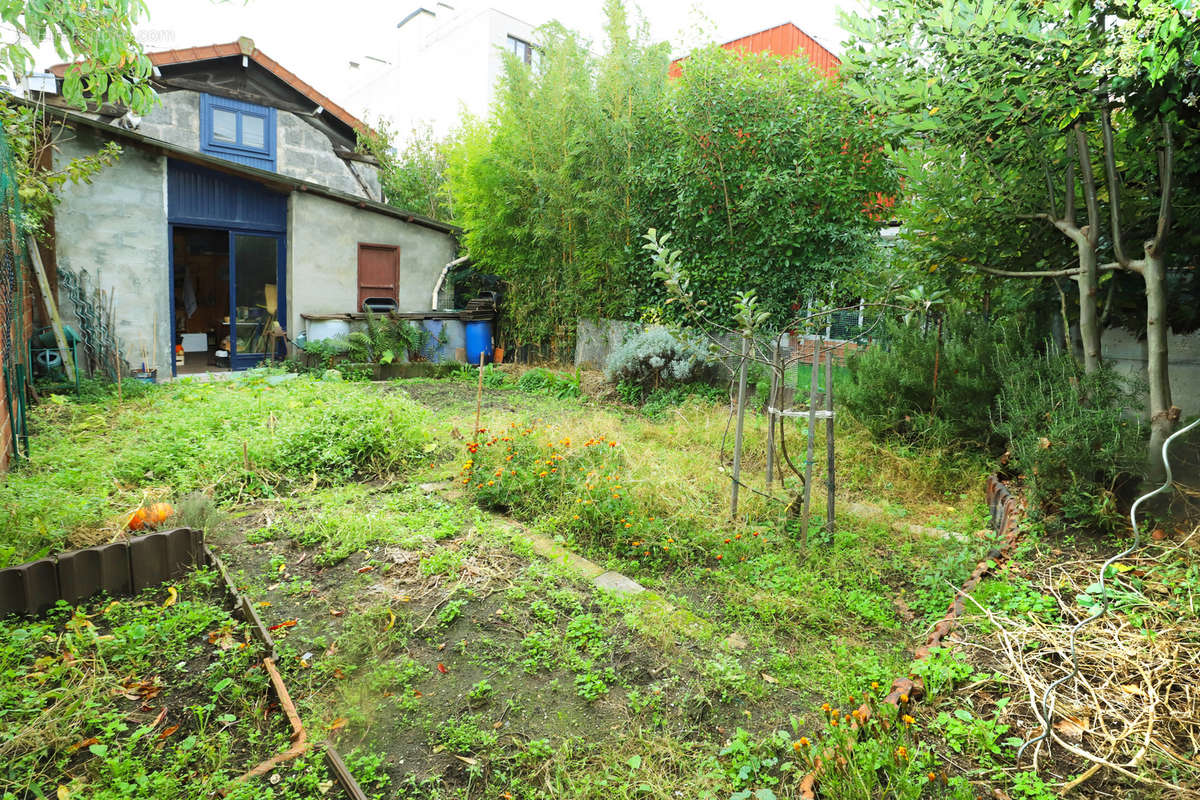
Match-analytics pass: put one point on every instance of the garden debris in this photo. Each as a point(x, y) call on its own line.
point(1132, 708)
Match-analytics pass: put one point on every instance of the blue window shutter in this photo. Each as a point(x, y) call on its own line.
point(242, 132)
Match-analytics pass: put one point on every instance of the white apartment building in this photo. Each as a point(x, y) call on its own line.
point(432, 64)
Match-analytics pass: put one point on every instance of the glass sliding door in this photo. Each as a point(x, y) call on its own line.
point(257, 287)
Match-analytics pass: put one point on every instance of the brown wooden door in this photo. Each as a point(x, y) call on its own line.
point(378, 272)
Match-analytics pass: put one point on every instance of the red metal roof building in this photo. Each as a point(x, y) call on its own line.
point(784, 40)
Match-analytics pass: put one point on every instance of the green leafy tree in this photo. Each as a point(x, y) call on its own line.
point(107, 64)
point(542, 187)
point(413, 178)
point(773, 175)
point(96, 36)
point(1030, 97)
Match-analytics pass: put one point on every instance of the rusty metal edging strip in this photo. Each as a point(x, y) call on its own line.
point(300, 743)
point(1005, 510)
point(342, 773)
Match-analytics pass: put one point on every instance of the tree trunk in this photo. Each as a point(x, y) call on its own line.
point(1089, 287)
point(1163, 415)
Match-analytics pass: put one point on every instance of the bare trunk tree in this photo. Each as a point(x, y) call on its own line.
point(1152, 267)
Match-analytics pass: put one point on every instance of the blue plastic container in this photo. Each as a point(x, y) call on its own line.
point(479, 342)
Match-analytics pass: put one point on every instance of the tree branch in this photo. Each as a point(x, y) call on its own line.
point(1068, 272)
point(1089, 184)
point(1166, 168)
point(1114, 184)
point(1069, 184)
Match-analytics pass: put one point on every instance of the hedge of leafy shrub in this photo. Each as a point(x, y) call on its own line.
point(653, 358)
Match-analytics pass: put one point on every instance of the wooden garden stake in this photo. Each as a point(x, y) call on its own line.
point(478, 399)
point(772, 405)
point(35, 258)
point(812, 424)
point(741, 418)
point(829, 479)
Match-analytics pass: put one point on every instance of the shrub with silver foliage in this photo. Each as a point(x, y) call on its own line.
point(654, 357)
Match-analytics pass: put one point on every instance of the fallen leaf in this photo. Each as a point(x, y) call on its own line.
point(769, 679)
point(337, 673)
point(367, 568)
point(391, 621)
point(1044, 443)
point(470, 762)
point(1130, 688)
point(1071, 727)
point(263, 603)
point(172, 596)
point(497, 725)
point(91, 740)
point(336, 613)
point(285, 624)
point(1158, 534)
point(337, 724)
point(442, 668)
point(63, 793)
point(159, 718)
point(168, 731)
point(324, 786)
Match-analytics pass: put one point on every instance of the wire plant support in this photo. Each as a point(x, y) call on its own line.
point(1046, 712)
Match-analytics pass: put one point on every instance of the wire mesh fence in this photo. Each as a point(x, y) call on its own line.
point(14, 315)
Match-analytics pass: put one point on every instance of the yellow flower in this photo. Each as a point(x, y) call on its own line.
point(907, 720)
point(903, 698)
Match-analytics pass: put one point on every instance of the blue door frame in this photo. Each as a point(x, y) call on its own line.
point(237, 360)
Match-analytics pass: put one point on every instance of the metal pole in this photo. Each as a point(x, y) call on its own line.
point(772, 404)
point(812, 423)
point(741, 418)
point(829, 478)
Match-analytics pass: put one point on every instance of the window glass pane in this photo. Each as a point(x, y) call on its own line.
point(255, 265)
point(224, 125)
point(254, 131)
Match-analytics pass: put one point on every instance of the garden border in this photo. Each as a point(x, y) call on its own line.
point(1005, 510)
point(126, 568)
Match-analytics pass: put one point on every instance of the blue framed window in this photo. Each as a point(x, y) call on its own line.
point(238, 131)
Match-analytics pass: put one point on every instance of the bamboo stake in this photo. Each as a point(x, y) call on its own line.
point(812, 423)
point(829, 477)
point(741, 418)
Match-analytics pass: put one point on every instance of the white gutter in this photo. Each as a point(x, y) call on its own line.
point(437, 287)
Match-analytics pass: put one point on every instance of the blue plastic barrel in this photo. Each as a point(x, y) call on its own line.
point(479, 341)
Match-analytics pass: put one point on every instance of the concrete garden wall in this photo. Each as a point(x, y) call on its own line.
point(1127, 355)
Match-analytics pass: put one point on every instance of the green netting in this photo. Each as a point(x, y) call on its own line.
point(14, 349)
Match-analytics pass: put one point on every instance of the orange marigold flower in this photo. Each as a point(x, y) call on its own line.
point(874, 684)
point(825, 706)
point(903, 698)
point(907, 720)
point(804, 741)
point(901, 752)
point(932, 776)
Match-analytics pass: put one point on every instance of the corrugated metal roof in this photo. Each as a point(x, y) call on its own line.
point(244, 47)
point(784, 40)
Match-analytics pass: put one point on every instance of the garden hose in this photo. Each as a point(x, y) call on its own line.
point(1048, 698)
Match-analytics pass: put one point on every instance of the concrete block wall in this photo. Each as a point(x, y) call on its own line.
point(323, 256)
point(306, 153)
point(301, 150)
point(1127, 355)
point(115, 230)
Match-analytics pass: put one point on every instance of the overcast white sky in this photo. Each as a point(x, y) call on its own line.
point(315, 38)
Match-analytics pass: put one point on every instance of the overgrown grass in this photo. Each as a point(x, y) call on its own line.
point(257, 436)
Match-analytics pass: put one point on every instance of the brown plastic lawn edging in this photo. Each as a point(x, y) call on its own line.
point(1005, 510)
point(140, 562)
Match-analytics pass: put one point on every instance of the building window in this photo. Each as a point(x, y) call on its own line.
point(522, 49)
point(238, 131)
